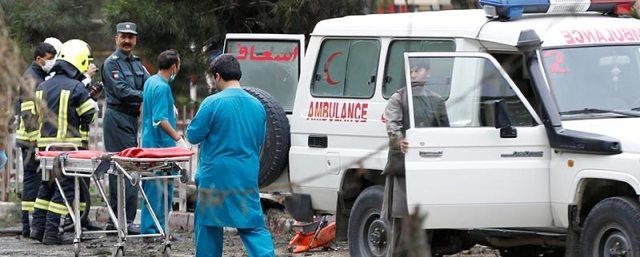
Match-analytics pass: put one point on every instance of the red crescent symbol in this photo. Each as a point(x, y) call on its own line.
point(330, 81)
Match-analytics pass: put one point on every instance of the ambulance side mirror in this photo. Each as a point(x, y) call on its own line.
point(502, 121)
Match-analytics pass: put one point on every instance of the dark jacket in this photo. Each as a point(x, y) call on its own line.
point(27, 131)
point(71, 108)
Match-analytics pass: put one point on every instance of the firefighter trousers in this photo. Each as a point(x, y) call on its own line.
point(31, 180)
point(50, 207)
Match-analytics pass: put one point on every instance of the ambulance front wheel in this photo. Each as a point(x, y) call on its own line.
point(611, 229)
point(367, 233)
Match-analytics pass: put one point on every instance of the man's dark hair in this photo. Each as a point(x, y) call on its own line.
point(420, 63)
point(227, 66)
point(168, 58)
point(42, 49)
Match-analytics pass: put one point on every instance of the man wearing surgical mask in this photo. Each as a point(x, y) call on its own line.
point(27, 132)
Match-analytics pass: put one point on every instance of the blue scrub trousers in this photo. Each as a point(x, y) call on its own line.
point(256, 241)
point(154, 190)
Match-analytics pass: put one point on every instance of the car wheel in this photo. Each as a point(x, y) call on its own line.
point(275, 151)
point(367, 233)
point(612, 229)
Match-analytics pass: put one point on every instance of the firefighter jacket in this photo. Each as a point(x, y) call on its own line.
point(28, 128)
point(71, 109)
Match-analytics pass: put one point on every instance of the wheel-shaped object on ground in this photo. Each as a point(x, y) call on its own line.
point(367, 233)
point(612, 229)
point(118, 252)
point(166, 252)
point(76, 249)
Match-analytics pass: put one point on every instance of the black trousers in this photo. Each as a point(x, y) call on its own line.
point(50, 208)
point(31, 180)
point(120, 132)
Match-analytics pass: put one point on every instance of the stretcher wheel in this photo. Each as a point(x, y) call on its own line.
point(167, 251)
point(118, 252)
point(135, 178)
point(76, 249)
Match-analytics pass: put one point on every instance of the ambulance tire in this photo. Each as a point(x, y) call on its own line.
point(275, 151)
point(611, 228)
point(364, 214)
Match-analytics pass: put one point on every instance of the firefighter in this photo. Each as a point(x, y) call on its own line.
point(28, 130)
point(72, 111)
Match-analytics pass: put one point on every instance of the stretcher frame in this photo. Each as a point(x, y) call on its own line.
point(78, 169)
point(141, 169)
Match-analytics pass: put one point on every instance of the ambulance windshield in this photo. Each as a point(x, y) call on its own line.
point(599, 80)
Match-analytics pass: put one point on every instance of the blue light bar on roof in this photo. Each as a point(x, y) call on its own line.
point(510, 9)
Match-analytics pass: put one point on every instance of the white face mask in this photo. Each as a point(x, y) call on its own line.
point(48, 64)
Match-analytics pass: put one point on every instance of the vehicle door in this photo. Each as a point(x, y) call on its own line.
point(461, 170)
point(270, 62)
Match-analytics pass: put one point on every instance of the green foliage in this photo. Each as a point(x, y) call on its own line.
point(196, 27)
point(31, 21)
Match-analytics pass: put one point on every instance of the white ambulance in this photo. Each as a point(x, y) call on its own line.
point(542, 146)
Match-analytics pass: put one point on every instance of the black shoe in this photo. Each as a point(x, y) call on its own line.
point(91, 226)
point(36, 234)
point(59, 239)
point(133, 230)
point(26, 231)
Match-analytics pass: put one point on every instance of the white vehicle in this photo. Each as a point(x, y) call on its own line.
point(543, 114)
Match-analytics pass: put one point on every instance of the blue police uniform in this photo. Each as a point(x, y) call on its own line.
point(123, 77)
point(230, 128)
point(158, 106)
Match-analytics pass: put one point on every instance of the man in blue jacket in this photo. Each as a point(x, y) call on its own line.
point(159, 131)
point(230, 128)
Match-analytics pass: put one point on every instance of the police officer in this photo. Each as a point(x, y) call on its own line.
point(123, 76)
point(28, 129)
point(74, 110)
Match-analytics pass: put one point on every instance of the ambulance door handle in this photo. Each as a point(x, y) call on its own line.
point(435, 154)
point(318, 141)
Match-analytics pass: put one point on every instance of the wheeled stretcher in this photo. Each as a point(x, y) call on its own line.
point(138, 164)
point(134, 164)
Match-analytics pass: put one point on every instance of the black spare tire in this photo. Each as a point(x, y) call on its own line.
point(275, 151)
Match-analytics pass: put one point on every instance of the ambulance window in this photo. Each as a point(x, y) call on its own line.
point(394, 71)
point(346, 68)
point(269, 65)
point(475, 87)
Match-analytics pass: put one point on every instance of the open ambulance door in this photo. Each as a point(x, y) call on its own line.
point(271, 63)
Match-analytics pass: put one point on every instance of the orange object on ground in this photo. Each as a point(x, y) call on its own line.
point(304, 242)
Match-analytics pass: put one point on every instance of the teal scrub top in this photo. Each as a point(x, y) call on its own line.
point(157, 106)
point(230, 128)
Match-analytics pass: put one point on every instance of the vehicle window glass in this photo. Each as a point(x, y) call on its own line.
point(346, 68)
point(269, 65)
point(594, 78)
point(394, 69)
point(476, 85)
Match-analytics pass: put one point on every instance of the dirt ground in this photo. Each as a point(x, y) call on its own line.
point(16, 246)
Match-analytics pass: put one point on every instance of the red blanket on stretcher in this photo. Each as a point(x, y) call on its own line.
point(172, 152)
point(81, 154)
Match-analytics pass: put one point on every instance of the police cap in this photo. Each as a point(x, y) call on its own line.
point(127, 27)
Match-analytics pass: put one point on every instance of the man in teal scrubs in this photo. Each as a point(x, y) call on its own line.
point(230, 128)
point(159, 131)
